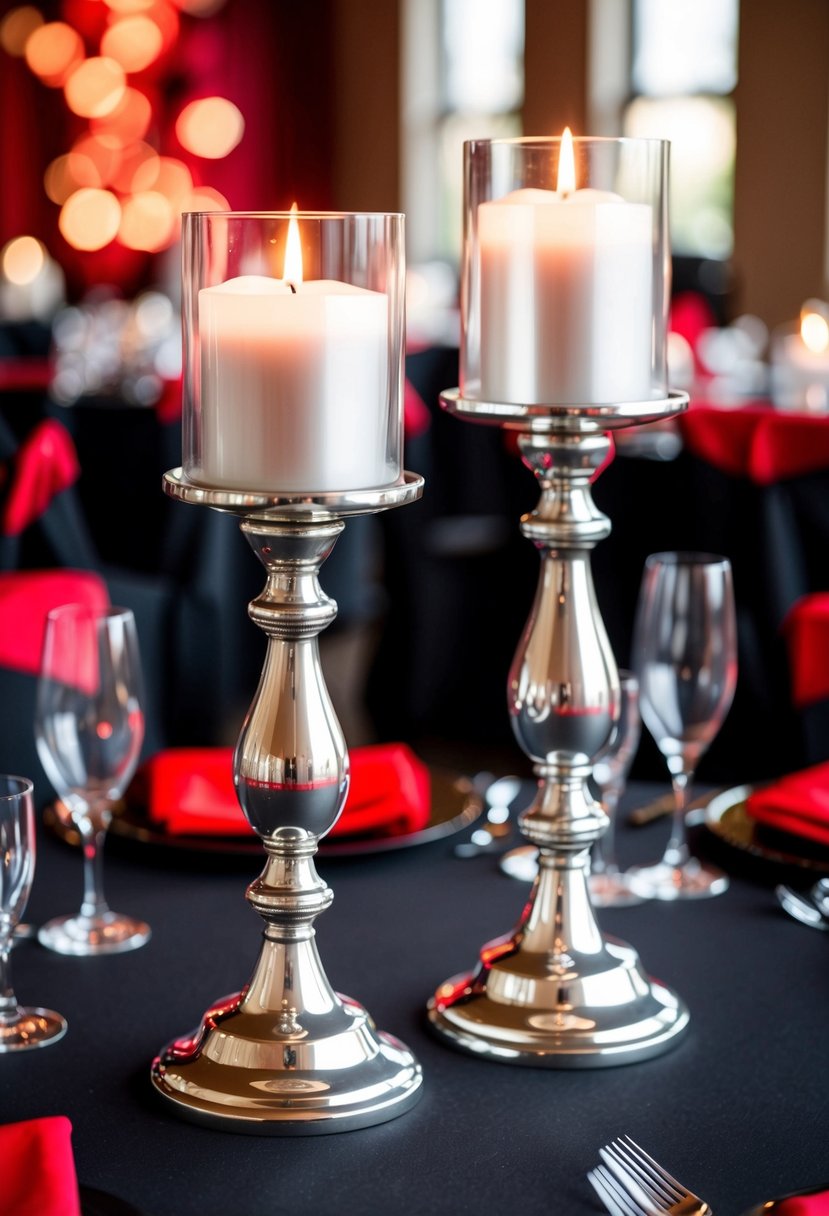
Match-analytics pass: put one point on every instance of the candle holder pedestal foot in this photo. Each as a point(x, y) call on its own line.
point(556, 992)
point(287, 1055)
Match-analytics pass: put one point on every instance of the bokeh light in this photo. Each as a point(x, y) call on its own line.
point(130, 120)
point(133, 41)
point(167, 176)
point(16, 27)
point(58, 180)
point(95, 87)
point(148, 222)
point(211, 127)
point(89, 219)
point(129, 6)
point(53, 51)
point(132, 159)
point(94, 160)
point(205, 198)
point(200, 8)
point(22, 260)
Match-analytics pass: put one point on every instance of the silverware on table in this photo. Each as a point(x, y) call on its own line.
point(498, 797)
point(809, 907)
point(631, 1183)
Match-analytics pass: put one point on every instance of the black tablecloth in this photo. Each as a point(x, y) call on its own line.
point(738, 1110)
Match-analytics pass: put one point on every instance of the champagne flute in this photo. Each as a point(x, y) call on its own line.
point(89, 727)
point(609, 886)
point(19, 1027)
point(685, 651)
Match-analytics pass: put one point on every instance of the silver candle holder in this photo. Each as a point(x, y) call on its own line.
point(564, 303)
point(287, 1054)
point(293, 335)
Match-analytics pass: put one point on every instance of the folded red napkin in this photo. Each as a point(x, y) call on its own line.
point(46, 464)
point(190, 792)
point(806, 630)
point(804, 1205)
point(37, 1169)
point(797, 803)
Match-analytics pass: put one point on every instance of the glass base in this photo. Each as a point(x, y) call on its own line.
point(693, 880)
point(31, 1027)
point(86, 935)
point(610, 889)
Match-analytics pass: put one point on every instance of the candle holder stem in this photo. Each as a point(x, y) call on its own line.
point(287, 1054)
point(556, 991)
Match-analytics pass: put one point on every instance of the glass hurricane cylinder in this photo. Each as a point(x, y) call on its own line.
point(565, 271)
point(293, 350)
point(564, 317)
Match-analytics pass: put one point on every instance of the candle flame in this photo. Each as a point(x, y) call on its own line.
point(566, 164)
point(814, 330)
point(293, 251)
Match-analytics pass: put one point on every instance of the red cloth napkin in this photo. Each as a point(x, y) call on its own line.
point(26, 596)
point(756, 441)
point(804, 1205)
point(189, 791)
point(806, 630)
point(46, 463)
point(797, 803)
point(37, 1169)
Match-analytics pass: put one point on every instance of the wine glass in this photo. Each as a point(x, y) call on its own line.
point(89, 727)
point(19, 1027)
point(685, 652)
point(609, 887)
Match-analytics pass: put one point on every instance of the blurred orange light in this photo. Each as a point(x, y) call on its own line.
point(205, 198)
point(129, 120)
point(167, 19)
point(52, 51)
point(132, 158)
point(129, 6)
point(94, 160)
point(59, 181)
point(134, 42)
point(210, 128)
point(89, 219)
point(23, 260)
point(200, 8)
point(16, 27)
point(166, 176)
point(95, 87)
point(148, 222)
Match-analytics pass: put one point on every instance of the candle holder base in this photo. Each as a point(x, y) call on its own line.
point(264, 1074)
point(591, 1012)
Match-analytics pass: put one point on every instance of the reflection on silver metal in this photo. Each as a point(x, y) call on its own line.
point(324, 505)
point(809, 907)
point(288, 1055)
point(556, 992)
point(549, 419)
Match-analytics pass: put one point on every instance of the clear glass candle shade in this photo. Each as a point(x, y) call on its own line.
point(566, 271)
point(293, 327)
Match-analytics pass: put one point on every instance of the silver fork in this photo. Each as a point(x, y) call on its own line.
point(633, 1184)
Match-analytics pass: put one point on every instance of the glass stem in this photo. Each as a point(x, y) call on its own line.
point(603, 858)
point(677, 852)
point(8, 1001)
point(94, 904)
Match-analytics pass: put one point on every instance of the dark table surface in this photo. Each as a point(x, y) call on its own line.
point(738, 1110)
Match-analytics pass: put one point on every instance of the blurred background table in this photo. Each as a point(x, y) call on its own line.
point(737, 1110)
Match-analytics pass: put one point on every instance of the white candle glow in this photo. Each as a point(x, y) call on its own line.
point(294, 383)
point(566, 295)
point(800, 362)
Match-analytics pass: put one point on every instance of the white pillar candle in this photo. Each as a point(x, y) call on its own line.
point(566, 283)
point(294, 386)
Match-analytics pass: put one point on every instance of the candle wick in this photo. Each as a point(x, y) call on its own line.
point(293, 289)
